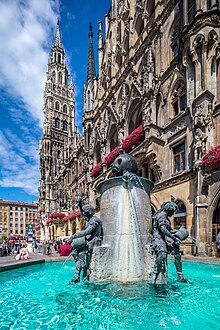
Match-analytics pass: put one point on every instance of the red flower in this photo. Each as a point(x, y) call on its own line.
point(133, 139)
point(109, 159)
point(57, 215)
point(211, 159)
point(97, 169)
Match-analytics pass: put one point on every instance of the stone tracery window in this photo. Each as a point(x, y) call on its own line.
point(60, 78)
point(179, 158)
point(65, 126)
point(57, 105)
point(180, 215)
point(179, 101)
point(65, 108)
point(57, 123)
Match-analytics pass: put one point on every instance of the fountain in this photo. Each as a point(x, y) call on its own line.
point(121, 247)
point(125, 211)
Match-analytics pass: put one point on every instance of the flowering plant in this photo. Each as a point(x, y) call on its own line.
point(72, 216)
point(211, 159)
point(49, 221)
point(57, 215)
point(97, 169)
point(109, 159)
point(133, 139)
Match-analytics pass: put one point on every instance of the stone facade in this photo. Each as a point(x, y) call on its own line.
point(158, 69)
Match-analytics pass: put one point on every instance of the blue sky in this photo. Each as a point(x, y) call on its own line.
point(27, 31)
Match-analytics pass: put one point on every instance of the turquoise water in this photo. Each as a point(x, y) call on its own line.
point(39, 297)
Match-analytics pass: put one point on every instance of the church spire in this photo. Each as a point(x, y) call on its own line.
point(58, 40)
point(91, 62)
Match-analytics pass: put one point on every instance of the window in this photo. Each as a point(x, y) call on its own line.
point(57, 123)
point(175, 108)
point(180, 215)
point(65, 108)
point(60, 78)
point(179, 100)
point(65, 126)
point(57, 105)
point(175, 49)
point(183, 103)
point(179, 158)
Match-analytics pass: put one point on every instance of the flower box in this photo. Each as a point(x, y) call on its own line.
point(109, 159)
point(133, 139)
point(211, 159)
point(97, 169)
point(57, 215)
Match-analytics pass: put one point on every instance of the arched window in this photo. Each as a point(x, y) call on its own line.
point(65, 126)
point(113, 139)
point(59, 58)
point(60, 78)
point(58, 154)
point(179, 101)
point(57, 105)
point(57, 123)
point(65, 108)
point(180, 215)
point(53, 76)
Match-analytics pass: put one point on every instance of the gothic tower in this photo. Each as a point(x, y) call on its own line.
point(89, 92)
point(58, 129)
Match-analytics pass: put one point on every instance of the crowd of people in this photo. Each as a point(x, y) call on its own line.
point(14, 247)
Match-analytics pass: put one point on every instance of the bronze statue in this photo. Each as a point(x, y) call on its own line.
point(166, 241)
point(84, 241)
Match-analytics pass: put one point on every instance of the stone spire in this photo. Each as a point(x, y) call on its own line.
point(91, 62)
point(58, 40)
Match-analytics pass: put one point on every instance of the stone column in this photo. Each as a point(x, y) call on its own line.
point(198, 7)
point(185, 12)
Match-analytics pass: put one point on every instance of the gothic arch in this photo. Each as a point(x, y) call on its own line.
point(214, 205)
point(134, 115)
point(65, 108)
point(177, 95)
point(57, 105)
point(113, 136)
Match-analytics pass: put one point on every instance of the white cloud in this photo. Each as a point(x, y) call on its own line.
point(26, 29)
point(19, 169)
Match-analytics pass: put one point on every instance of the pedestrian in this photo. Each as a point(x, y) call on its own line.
point(34, 246)
point(65, 249)
point(218, 244)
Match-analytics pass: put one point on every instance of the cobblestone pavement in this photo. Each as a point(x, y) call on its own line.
point(9, 262)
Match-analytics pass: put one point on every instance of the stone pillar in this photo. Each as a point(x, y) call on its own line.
point(185, 12)
point(198, 7)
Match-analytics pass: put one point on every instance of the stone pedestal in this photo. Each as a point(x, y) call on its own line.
point(125, 211)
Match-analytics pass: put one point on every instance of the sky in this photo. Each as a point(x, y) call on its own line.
point(27, 32)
